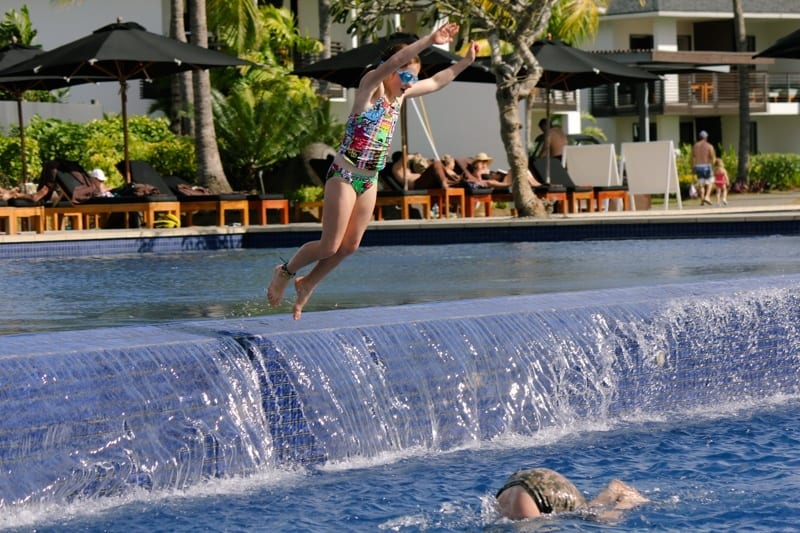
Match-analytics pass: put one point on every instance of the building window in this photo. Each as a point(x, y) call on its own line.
point(641, 42)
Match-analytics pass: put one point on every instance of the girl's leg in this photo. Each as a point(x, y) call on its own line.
point(724, 195)
point(359, 220)
point(337, 210)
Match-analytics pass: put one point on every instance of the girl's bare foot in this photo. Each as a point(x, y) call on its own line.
point(280, 279)
point(303, 291)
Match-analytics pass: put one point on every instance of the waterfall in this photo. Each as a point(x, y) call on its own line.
point(100, 412)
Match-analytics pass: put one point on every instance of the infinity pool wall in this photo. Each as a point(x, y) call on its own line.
point(101, 412)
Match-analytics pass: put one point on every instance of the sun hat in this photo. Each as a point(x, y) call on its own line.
point(97, 174)
point(482, 157)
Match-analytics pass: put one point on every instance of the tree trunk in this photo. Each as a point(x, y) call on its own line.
point(744, 97)
point(325, 36)
point(525, 201)
point(209, 165)
point(181, 94)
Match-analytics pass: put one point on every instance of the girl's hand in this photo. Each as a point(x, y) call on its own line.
point(472, 53)
point(445, 34)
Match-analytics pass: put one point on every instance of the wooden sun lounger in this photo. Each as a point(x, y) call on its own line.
point(96, 214)
point(269, 202)
point(190, 206)
point(404, 200)
point(10, 218)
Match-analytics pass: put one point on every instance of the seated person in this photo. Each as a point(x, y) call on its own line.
point(99, 180)
point(481, 173)
point(40, 196)
point(407, 175)
point(532, 493)
point(451, 176)
point(7, 194)
point(558, 140)
point(422, 173)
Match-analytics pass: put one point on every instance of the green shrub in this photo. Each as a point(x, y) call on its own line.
point(307, 193)
point(766, 171)
point(774, 171)
point(11, 164)
point(99, 144)
point(174, 157)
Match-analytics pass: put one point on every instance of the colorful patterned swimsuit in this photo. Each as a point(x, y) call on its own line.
point(366, 141)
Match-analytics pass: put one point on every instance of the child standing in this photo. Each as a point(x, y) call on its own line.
point(721, 182)
point(350, 189)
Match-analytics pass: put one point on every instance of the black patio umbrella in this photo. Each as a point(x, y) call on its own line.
point(567, 68)
point(120, 52)
point(786, 47)
point(347, 68)
point(12, 55)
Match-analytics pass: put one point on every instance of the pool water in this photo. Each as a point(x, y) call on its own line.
point(728, 468)
point(81, 293)
point(724, 467)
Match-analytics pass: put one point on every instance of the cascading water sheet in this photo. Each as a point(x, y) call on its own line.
point(104, 411)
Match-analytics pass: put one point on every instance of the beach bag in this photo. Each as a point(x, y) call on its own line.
point(693, 191)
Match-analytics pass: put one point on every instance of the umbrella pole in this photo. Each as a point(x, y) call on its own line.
point(404, 143)
point(22, 156)
point(547, 133)
point(123, 91)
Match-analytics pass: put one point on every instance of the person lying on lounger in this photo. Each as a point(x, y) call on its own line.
point(498, 179)
point(16, 194)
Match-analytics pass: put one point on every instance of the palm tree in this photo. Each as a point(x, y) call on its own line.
point(209, 165)
point(181, 91)
point(744, 96)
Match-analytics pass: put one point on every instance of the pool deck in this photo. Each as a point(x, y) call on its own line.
point(746, 215)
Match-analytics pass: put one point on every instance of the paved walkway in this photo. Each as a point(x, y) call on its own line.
point(741, 208)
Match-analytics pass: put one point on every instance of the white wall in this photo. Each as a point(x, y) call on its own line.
point(71, 112)
point(57, 25)
point(464, 119)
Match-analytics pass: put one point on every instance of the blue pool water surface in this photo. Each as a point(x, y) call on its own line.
point(714, 462)
point(727, 468)
point(81, 293)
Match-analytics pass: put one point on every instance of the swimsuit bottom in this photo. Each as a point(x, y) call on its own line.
point(360, 182)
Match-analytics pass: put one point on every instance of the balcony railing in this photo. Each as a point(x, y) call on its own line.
point(697, 93)
point(559, 100)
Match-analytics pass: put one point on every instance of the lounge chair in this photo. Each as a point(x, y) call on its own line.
point(28, 210)
point(595, 165)
point(560, 183)
point(12, 218)
point(192, 199)
point(392, 194)
point(85, 210)
point(475, 194)
point(263, 203)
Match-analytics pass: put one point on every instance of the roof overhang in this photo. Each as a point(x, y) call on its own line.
point(675, 62)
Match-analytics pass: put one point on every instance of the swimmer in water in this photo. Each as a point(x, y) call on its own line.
point(539, 491)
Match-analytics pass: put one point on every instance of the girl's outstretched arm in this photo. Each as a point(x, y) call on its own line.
point(443, 77)
point(442, 35)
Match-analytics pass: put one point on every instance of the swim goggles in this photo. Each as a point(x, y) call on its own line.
point(406, 76)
